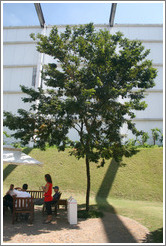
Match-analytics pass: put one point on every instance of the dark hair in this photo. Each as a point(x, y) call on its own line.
point(48, 178)
point(25, 186)
point(12, 185)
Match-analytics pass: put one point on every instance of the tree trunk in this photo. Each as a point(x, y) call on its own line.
point(154, 140)
point(88, 183)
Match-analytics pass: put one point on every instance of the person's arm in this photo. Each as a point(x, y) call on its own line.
point(8, 192)
point(45, 188)
point(17, 188)
point(16, 192)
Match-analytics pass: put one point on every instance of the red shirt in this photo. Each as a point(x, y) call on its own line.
point(48, 194)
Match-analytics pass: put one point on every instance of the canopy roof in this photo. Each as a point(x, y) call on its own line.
point(15, 156)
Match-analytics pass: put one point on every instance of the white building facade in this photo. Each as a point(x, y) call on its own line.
point(22, 66)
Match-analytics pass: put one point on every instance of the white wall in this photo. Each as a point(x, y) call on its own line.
point(155, 107)
point(140, 32)
point(156, 52)
point(18, 34)
point(16, 76)
point(19, 59)
point(12, 102)
point(146, 126)
point(23, 54)
point(159, 79)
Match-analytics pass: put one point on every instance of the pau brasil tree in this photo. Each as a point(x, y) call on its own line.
point(91, 72)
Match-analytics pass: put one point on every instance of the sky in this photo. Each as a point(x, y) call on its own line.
point(24, 14)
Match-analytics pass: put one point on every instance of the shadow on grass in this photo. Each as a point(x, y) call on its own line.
point(27, 150)
point(117, 232)
point(8, 170)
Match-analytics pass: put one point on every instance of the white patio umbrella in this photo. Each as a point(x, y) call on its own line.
point(15, 156)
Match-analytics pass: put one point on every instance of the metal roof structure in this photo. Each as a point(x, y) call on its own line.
point(112, 14)
point(40, 14)
point(42, 21)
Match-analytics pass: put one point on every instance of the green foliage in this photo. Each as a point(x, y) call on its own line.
point(155, 236)
point(131, 142)
point(145, 137)
point(90, 214)
point(155, 134)
point(6, 135)
point(161, 138)
point(145, 145)
point(16, 144)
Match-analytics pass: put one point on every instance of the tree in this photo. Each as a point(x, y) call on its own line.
point(155, 134)
point(97, 69)
point(144, 137)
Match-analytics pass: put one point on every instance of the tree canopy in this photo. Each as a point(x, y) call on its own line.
point(94, 86)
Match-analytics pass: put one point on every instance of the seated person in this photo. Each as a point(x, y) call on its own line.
point(8, 199)
point(18, 192)
point(11, 188)
point(21, 192)
point(57, 194)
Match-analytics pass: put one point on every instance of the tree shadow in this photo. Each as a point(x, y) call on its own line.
point(8, 170)
point(113, 235)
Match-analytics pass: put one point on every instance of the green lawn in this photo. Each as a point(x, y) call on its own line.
point(148, 213)
point(134, 188)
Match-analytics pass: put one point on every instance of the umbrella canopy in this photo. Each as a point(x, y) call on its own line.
point(15, 156)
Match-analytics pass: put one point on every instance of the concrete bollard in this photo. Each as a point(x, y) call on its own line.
point(72, 211)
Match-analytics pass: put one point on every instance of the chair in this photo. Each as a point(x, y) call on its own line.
point(23, 205)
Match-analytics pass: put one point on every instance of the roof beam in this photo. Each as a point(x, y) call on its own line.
point(112, 14)
point(40, 14)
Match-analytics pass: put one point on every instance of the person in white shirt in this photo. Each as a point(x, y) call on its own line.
point(20, 193)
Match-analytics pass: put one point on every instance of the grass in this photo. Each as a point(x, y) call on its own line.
point(90, 214)
point(133, 189)
point(148, 213)
point(139, 179)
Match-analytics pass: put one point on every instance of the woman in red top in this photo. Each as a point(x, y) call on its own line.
point(48, 197)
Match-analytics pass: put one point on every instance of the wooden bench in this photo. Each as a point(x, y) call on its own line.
point(23, 205)
point(36, 194)
point(62, 202)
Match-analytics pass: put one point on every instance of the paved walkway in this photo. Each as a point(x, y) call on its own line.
point(109, 229)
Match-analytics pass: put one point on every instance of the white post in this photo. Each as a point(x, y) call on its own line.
point(72, 211)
